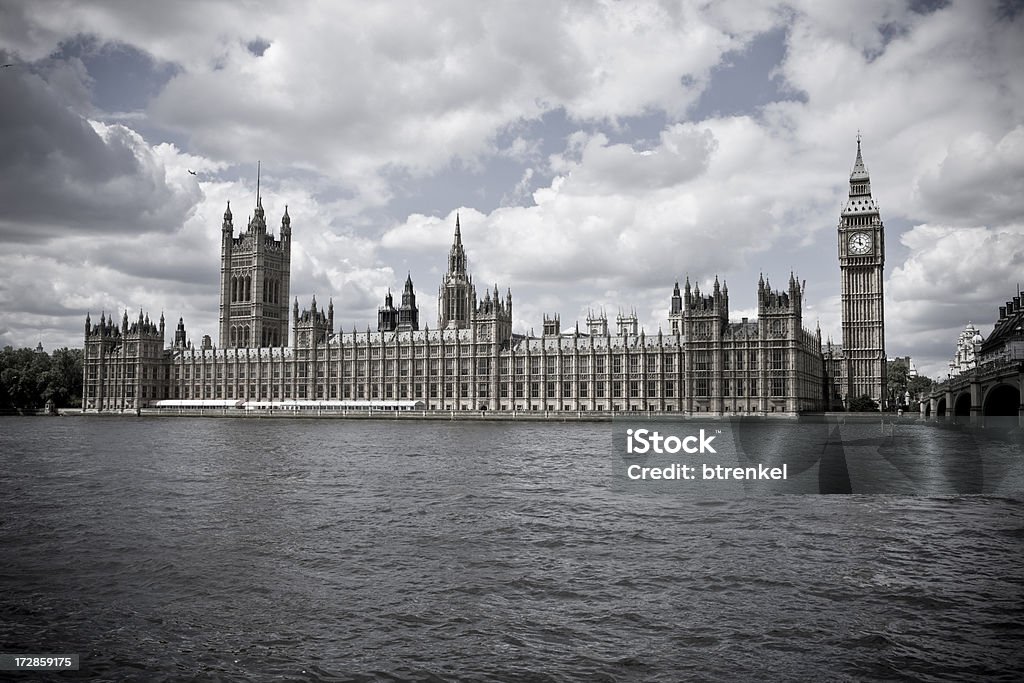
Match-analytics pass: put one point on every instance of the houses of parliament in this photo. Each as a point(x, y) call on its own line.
point(705, 363)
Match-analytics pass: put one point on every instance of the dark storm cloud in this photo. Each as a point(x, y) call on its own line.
point(122, 77)
point(19, 299)
point(63, 175)
point(197, 276)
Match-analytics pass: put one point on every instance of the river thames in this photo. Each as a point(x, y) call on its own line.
point(220, 549)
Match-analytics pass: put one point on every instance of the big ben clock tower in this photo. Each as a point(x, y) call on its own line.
point(861, 260)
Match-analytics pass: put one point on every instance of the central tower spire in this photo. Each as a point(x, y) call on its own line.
point(457, 254)
point(457, 296)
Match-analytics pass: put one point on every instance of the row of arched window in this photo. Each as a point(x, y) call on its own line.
point(241, 289)
point(240, 337)
point(272, 291)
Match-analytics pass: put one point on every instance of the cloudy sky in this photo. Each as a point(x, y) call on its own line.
point(597, 152)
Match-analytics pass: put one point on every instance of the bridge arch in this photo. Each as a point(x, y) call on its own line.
point(927, 409)
point(940, 407)
point(962, 405)
point(1002, 400)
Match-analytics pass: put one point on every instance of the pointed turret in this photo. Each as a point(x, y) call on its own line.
point(457, 254)
point(676, 305)
point(457, 300)
point(387, 315)
point(227, 227)
point(179, 334)
point(407, 317)
point(408, 293)
point(286, 222)
point(860, 201)
point(860, 171)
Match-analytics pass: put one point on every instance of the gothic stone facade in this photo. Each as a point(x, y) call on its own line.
point(472, 360)
point(254, 277)
point(861, 366)
point(750, 367)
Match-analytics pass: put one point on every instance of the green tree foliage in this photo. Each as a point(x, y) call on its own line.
point(899, 382)
point(64, 379)
point(28, 379)
point(920, 387)
point(863, 404)
point(897, 378)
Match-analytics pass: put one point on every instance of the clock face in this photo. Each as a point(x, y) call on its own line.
point(860, 243)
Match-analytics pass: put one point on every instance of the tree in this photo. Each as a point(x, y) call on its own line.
point(64, 378)
point(29, 378)
point(920, 387)
point(863, 404)
point(897, 378)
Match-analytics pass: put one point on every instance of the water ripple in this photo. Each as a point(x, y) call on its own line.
point(360, 551)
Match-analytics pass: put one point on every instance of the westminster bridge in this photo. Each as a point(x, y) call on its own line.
point(991, 390)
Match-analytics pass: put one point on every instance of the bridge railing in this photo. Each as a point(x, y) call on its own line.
point(983, 373)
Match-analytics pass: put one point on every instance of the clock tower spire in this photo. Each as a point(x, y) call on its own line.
point(861, 263)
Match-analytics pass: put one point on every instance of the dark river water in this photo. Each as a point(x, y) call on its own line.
point(220, 549)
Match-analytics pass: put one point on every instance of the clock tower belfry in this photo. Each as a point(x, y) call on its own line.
point(861, 262)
